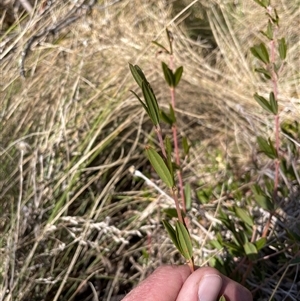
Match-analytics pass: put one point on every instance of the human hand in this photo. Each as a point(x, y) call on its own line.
point(176, 283)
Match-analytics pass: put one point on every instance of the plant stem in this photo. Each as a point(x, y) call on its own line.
point(191, 265)
point(274, 79)
point(176, 148)
point(174, 193)
point(160, 139)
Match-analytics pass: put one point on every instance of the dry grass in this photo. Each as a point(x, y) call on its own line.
point(75, 224)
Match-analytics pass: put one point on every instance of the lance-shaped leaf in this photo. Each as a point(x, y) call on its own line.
point(168, 73)
point(263, 102)
point(166, 118)
point(159, 166)
point(273, 103)
point(151, 103)
point(264, 71)
point(260, 51)
point(172, 113)
point(143, 104)
point(250, 249)
point(260, 243)
point(185, 145)
point(222, 298)
point(269, 32)
point(188, 196)
point(244, 215)
point(184, 240)
point(267, 147)
point(161, 46)
point(276, 20)
point(262, 199)
point(282, 48)
point(170, 39)
point(137, 74)
point(172, 212)
point(178, 75)
point(172, 234)
point(263, 3)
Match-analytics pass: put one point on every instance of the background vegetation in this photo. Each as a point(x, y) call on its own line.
point(75, 224)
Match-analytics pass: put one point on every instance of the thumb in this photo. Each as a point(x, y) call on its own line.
point(207, 284)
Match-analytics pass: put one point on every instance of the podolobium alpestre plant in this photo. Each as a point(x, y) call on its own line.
point(248, 244)
point(164, 164)
point(271, 55)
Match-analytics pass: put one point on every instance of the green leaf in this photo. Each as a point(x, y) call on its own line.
point(161, 46)
point(137, 74)
point(166, 118)
point(204, 195)
point(169, 76)
point(216, 244)
point(151, 103)
point(273, 103)
point(282, 48)
point(172, 234)
point(250, 248)
point(143, 104)
point(188, 196)
point(263, 3)
point(266, 146)
point(172, 212)
point(184, 240)
point(260, 52)
point(177, 75)
point(170, 39)
point(222, 298)
point(159, 166)
point(172, 113)
point(264, 202)
point(262, 199)
point(265, 72)
point(185, 145)
point(244, 215)
point(276, 20)
point(269, 32)
point(260, 243)
point(263, 102)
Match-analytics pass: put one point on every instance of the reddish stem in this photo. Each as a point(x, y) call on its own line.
point(174, 195)
point(160, 139)
point(176, 148)
point(274, 79)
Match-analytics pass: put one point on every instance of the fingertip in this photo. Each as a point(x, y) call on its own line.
point(207, 284)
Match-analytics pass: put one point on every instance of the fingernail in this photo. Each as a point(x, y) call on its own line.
point(209, 288)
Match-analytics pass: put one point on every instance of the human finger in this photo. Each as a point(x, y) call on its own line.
point(208, 284)
point(163, 284)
